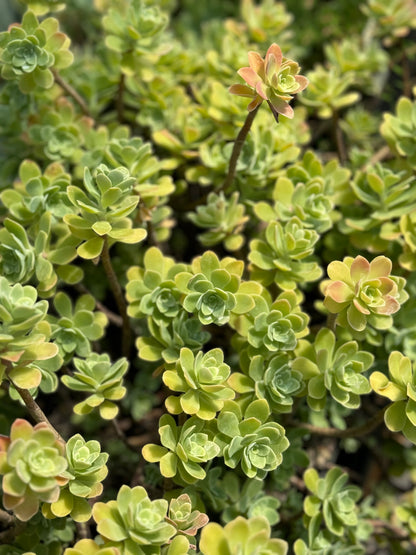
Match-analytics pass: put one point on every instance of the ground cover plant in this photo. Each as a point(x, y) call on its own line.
point(207, 277)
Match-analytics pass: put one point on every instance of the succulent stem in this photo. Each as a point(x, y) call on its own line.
point(72, 93)
point(34, 409)
point(238, 145)
point(119, 297)
point(355, 431)
point(339, 138)
point(331, 321)
point(120, 99)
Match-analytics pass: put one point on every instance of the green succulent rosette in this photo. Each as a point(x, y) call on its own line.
point(151, 291)
point(166, 341)
point(328, 91)
point(203, 381)
point(133, 523)
point(274, 380)
point(333, 177)
point(250, 439)
point(363, 293)
point(58, 131)
point(30, 50)
point(85, 473)
point(213, 289)
point(100, 378)
point(17, 255)
point(279, 327)
point(334, 368)
point(331, 500)
point(36, 192)
point(400, 416)
point(183, 450)
point(386, 194)
point(133, 31)
point(90, 547)
point(241, 537)
point(32, 462)
point(77, 325)
point(399, 130)
point(24, 334)
point(394, 19)
point(224, 220)
point(246, 497)
point(307, 201)
point(103, 206)
point(284, 257)
point(181, 515)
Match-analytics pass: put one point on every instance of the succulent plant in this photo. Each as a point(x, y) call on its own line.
point(285, 255)
point(265, 20)
point(333, 178)
point(90, 547)
point(307, 201)
point(224, 219)
point(42, 7)
point(181, 515)
point(248, 499)
point(398, 130)
point(364, 58)
point(166, 341)
point(362, 292)
point(103, 207)
point(151, 290)
point(241, 536)
point(24, 334)
point(331, 500)
point(213, 290)
point(86, 470)
point(133, 30)
point(202, 380)
point(323, 542)
point(274, 380)
point(183, 450)
point(333, 368)
point(274, 78)
point(28, 52)
point(76, 325)
point(17, 255)
point(32, 462)
point(394, 19)
point(385, 195)
point(36, 192)
point(58, 131)
point(249, 439)
point(133, 523)
point(103, 380)
point(400, 416)
point(406, 512)
point(22, 258)
point(408, 232)
point(327, 91)
point(279, 327)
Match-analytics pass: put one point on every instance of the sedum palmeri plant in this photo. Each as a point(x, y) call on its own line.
point(274, 79)
point(207, 259)
point(32, 463)
point(31, 50)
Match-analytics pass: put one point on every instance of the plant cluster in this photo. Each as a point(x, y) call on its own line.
point(207, 277)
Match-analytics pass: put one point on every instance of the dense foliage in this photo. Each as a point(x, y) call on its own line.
point(207, 257)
